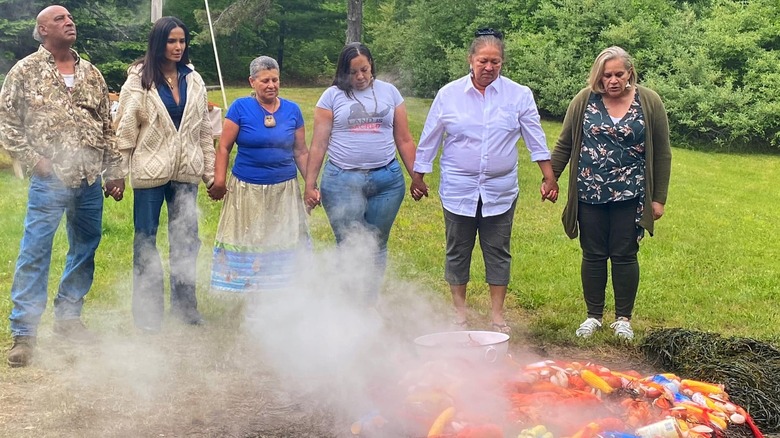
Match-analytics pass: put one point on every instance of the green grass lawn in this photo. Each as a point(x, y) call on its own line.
point(711, 266)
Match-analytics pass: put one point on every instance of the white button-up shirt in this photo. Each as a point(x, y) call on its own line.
point(479, 157)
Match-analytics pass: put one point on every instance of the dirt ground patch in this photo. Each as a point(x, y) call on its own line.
point(213, 381)
point(184, 382)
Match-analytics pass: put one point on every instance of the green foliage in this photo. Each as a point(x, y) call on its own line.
point(721, 88)
point(16, 29)
point(714, 62)
point(115, 73)
point(423, 65)
point(311, 61)
point(304, 36)
point(385, 35)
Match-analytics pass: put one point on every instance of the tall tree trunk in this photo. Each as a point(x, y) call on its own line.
point(280, 49)
point(354, 20)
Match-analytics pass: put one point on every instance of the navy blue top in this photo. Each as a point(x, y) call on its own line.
point(265, 155)
point(612, 159)
point(176, 111)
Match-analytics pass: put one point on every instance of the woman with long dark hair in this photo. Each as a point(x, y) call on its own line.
point(360, 121)
point(164, 135)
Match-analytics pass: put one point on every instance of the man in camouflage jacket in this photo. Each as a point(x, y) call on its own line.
point(54, 119)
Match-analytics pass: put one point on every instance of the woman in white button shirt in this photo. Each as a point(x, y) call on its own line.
point(480, 117)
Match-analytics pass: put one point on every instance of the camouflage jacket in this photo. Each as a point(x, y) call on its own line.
point(40, 117)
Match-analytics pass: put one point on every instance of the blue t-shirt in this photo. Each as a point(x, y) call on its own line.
point(265, 155)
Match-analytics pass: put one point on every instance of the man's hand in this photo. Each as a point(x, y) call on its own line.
point(114, 188)
point(42, 167)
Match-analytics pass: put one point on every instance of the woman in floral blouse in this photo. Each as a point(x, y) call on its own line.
point(615, 140)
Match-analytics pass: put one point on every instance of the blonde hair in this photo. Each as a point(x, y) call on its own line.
point(597, 70)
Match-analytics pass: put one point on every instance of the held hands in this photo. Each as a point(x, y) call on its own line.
point(418, 189)
point(217, 191)
point(114, 188)
point(311, 198)
point(549, 190)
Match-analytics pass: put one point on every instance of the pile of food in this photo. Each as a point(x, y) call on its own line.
point(748, 368)
point(462, 399)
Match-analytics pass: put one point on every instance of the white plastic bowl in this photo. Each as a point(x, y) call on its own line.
point(475, 346)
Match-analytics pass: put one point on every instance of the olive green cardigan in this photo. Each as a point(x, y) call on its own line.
point(658, 155)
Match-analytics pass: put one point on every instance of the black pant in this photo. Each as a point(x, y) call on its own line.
point(608, 231)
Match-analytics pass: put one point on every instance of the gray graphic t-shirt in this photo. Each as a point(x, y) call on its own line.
point(362, 134)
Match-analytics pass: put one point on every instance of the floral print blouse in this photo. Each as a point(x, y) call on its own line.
point(612, 159)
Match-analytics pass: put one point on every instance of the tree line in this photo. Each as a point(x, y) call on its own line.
point(716, 63)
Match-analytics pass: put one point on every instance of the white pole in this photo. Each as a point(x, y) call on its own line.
point(216, 55)
point(157, 6)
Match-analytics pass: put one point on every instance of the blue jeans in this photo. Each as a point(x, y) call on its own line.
point(184, 243)
point(367, 199)
point(47, 200)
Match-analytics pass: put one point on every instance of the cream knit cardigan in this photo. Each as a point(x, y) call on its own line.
point(153, 151)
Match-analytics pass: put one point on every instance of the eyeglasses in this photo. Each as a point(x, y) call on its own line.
point(488, 31)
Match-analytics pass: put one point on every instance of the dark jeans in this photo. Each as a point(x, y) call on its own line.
point(608, 231)
point(148, 289)
point(47, 201)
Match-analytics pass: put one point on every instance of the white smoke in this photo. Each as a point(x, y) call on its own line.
point(322, 338)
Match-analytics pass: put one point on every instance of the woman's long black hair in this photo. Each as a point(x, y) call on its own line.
point(151, 71)
point(348, 53)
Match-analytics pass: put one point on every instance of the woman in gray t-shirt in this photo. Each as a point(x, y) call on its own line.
point(361, 122)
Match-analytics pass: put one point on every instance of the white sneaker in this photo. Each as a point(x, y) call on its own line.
point(588, 327)
point(622, 328)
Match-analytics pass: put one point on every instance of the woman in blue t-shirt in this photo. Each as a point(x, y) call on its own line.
point(263, 221)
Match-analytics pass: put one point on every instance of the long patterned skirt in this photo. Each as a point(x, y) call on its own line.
point(262, 229)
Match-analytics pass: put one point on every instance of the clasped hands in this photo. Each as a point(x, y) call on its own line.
point(549, 190)
point(311, 197)
point(217, 191)
point(418, 189)
point(114, 188)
